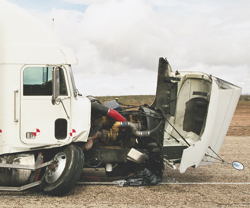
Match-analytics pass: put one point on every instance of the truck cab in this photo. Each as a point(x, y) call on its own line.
point(35, 68)
point(42, 115)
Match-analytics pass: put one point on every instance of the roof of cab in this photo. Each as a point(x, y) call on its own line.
point(26, 40)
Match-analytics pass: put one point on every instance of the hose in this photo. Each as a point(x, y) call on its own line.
point(104, 111)
point(135, 128)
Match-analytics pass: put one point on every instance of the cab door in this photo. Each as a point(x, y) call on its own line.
point(44, 122)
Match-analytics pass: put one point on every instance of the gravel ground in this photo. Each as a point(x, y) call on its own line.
point(240, 125)
point(217, 195)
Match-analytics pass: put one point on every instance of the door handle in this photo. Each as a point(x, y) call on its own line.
point(15, 100)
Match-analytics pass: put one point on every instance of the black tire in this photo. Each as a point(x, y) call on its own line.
point(71, 172)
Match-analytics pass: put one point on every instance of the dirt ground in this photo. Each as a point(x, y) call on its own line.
point(240, 125)
point(236, 147)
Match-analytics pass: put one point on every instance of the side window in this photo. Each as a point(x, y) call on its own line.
point(37, 81)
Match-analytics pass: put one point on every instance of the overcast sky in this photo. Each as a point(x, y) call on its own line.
point(118, 42)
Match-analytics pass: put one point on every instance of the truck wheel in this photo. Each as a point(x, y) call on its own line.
point(60, 177)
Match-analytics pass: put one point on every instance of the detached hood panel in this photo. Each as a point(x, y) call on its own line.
point(223, 101)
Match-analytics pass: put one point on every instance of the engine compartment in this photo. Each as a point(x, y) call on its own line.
point(128, 139)
point(128, 146)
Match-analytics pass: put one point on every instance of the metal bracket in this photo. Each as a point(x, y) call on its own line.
point(20, 188)
point(27, 167)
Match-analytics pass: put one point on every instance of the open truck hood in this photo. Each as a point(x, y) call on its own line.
point(198, 133)
point(223, 101)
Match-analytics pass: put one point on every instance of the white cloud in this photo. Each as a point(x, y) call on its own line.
point(118, 42)
point(86, 2)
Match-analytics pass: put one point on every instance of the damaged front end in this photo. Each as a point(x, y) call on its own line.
point(185, 125)
point(127, 141)
point(197, 111)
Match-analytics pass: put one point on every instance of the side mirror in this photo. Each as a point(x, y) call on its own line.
point(237, 165)
point(56, 85)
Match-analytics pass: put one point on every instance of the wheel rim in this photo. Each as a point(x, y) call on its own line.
point(55, 170)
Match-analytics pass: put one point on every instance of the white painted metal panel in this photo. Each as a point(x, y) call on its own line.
point(223, 101)
point(38, 112)
point(81, 112)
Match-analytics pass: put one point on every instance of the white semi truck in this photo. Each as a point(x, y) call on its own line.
point(49, 132)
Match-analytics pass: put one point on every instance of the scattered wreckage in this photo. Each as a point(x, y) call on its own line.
point(49, 132)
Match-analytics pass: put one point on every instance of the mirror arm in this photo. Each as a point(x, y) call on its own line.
point(60, 100)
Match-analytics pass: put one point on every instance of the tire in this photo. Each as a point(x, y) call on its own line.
point(60, 179)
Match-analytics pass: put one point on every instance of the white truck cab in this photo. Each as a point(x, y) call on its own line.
point(40, 107)
point(30, 61)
